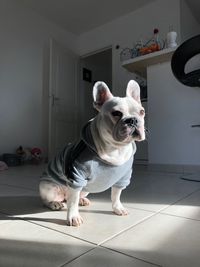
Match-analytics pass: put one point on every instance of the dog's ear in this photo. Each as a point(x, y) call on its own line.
point(133, 90)
point(101, 93)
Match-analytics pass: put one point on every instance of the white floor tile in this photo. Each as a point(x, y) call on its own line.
point(165, 240)
point(27, 176)
point(43, 239)
point(156, 191)
point(4, 218)
point(188, 207)
point(11, 191)
point(26, 244)
point(101, 257)
point(99, 224)
point(21, 205)
point(13, 199)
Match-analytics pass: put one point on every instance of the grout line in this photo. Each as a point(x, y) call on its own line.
point(77, 257)
point(181, 217)
point(128, 228)
point(45, 227)
point(133, 257)
point(55, 230)
point(186, 196)
point(100, 245)
point(154, 213)
point(147, 218)
point(141, 209)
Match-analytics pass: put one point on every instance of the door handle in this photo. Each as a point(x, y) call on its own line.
point(195, 126)
point(54, 99)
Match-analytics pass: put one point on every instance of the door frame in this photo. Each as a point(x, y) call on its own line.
point(82, 58)
point(50, 88)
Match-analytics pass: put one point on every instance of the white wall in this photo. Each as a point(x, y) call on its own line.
point(24, 75)
point(189, 25)
point(128, 29)
point(173, 108)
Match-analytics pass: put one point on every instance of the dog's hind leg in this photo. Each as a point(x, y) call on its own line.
point(52, 195)
point(83, 200)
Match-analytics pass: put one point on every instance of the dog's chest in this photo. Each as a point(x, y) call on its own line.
point(100, 175)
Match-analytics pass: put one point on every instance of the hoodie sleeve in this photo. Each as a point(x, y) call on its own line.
point(77, 175)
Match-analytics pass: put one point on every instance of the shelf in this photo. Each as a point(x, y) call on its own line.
point(139, 64)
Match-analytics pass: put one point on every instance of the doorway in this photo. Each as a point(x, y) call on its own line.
point(94, 67)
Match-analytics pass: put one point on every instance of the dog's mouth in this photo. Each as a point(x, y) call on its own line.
point(138, 135)
point(126, 133)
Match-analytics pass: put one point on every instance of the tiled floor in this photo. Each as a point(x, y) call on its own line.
point(163, 228)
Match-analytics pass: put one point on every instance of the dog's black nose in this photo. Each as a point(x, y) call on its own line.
point(131, 122)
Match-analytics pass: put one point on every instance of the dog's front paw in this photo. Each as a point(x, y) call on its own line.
point(74, 220)
point(120, 210)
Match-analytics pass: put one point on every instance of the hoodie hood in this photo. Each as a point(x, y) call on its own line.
point(86, 137)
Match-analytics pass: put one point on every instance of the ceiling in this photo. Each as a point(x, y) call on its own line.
point(79, 16)
point(195, 7)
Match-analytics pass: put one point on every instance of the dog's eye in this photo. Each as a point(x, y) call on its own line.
point(117, 113)
point(142, 112)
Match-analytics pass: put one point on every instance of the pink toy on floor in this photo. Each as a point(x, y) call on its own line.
point(3, 166)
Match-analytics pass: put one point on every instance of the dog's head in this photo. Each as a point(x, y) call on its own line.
point(121, 119)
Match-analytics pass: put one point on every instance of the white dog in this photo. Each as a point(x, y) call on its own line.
point(102, 159)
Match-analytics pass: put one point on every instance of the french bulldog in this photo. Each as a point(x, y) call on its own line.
point(102, 158)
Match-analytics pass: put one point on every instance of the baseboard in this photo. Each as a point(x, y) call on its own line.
point(170, 168)
point(191, 168)
point(141, 161)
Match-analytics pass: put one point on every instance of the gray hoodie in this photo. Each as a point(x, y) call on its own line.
point(80, 167)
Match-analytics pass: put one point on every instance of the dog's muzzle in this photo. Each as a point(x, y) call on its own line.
point(132, 126)
point(131, 122)
point(126, 128)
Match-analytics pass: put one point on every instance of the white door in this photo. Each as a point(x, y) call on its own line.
point(63, 108)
